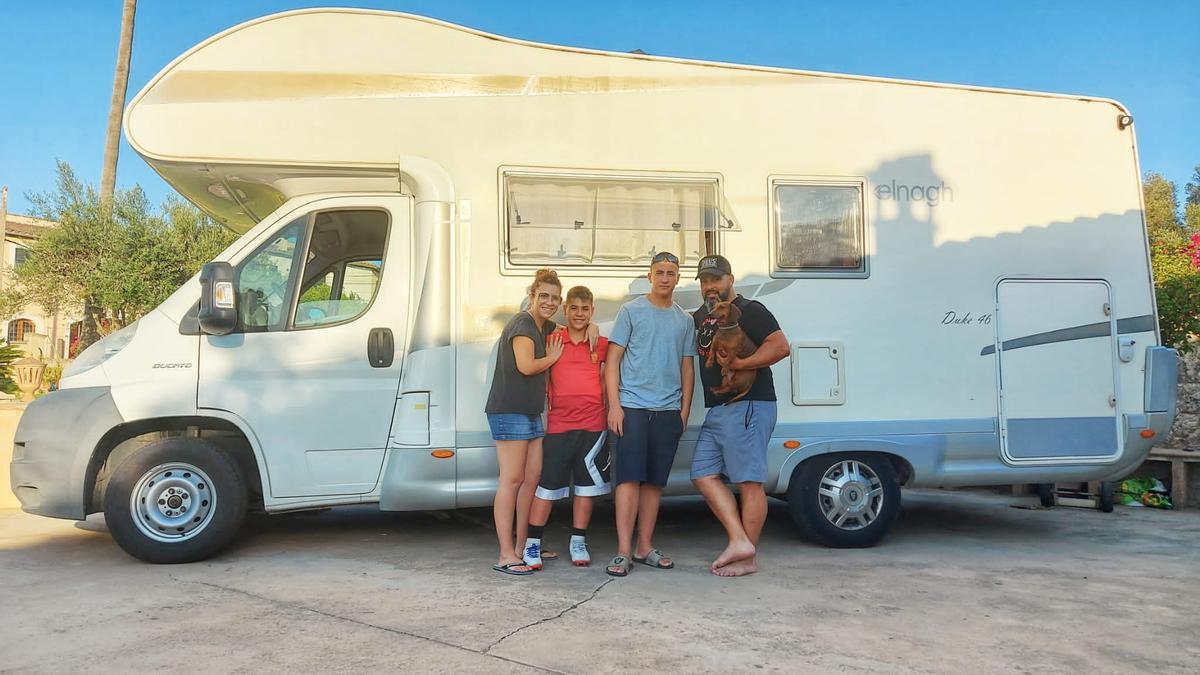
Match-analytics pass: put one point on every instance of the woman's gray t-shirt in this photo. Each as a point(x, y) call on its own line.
point(511, 391)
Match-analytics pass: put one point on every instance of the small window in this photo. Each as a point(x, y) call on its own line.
point(819, 229)
point(19, 330)
point(264, 279)
point(20, 255)
point(580, 220)
point(341, 276)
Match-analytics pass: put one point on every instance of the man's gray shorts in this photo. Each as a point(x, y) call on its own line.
point(733, 441)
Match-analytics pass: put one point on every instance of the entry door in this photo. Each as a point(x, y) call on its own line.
point(314, 365)
point(1057, 354)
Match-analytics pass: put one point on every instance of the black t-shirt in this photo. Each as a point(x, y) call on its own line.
point(757, 322)
point(511, 391)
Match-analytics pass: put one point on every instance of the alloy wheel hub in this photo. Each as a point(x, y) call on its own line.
point(850, 495)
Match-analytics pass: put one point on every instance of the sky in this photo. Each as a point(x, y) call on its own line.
point(57, 58)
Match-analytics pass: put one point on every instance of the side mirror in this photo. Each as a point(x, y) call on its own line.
point(218, 302)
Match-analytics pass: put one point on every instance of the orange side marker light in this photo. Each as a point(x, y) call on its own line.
point(1147, 433)
point(791, 445)
point(443, 453)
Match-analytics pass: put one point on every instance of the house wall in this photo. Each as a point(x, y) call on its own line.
point(51, 334)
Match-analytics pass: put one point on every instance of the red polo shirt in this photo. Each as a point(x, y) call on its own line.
point(575, 390)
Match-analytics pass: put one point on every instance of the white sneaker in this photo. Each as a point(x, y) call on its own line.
point(533, 553)
point(579, 552)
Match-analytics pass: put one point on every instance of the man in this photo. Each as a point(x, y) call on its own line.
point(574, 449)
point(733, 439)
point(649, 382)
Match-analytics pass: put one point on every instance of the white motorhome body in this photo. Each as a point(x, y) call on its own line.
point(962, 272)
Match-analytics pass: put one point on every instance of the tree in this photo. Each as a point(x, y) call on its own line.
point(1191, 203)
point(1162, 208)
point(1176, 278)
point(116, 106)
point(125, 256)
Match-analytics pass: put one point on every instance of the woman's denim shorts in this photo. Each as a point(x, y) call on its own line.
point(515, 426)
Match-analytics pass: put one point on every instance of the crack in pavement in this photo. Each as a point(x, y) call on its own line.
point(367, 624)
point(487, 650)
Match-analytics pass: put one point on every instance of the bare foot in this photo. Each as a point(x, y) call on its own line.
point(738, 569)
point(736, 550)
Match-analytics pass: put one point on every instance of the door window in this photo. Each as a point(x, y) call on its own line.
point(342, 268)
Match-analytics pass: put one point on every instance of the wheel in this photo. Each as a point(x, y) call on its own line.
point(1046, 494)
point(846, 500)
point(174, 501)
point(1105, 498)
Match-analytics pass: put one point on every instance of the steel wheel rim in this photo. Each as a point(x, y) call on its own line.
point(173, 502)
point(850, 495)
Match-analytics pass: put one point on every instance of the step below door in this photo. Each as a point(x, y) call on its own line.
point(1056, 354)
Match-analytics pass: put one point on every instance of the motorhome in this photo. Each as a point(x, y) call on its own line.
point(962, 273)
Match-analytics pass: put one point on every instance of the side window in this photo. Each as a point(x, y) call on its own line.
point(342, 269)
point(819, 229)
point(592, 220)
point(264, 280)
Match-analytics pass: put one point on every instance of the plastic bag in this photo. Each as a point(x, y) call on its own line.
point(1142, 492)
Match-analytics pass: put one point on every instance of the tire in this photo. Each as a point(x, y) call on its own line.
point(1105, 498)
point(848, 480)
point(200, 494)
point(1046, 494)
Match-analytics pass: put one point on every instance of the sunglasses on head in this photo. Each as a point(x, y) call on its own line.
point(665, 257)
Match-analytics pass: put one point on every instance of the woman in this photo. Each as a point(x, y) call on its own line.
point(514, 411)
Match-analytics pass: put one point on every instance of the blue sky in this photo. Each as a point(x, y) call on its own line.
point(58, 57)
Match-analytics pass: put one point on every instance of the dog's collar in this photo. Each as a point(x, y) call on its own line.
point(720, 327)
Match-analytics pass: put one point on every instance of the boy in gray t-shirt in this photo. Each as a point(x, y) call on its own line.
point(648, 382)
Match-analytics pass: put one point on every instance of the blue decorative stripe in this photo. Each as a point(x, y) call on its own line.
point(979, 425)
point(1134, 324)
point(1030, 438)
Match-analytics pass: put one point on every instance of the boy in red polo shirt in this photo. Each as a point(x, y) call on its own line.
point(574, 450)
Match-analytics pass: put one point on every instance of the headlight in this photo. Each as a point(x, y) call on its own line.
point(101, 350)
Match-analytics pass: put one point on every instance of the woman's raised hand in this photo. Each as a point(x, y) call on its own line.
point(554, 347)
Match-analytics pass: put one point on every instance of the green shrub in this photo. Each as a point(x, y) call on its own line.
point(51, 376)
point(8, 354)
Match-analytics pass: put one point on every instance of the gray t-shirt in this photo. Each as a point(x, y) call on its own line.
point(655, 339)
point(511, 391)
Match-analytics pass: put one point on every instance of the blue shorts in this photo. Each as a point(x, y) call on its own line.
point(733, 441)
point(647, 450)
point(515, 426)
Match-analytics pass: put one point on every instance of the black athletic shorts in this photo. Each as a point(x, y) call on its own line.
point(574, 457)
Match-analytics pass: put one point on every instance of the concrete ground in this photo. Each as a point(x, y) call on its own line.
point(965, 583)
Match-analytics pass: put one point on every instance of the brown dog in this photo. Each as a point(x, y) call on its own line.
point(730, 339)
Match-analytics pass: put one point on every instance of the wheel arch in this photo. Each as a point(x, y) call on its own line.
point(124, 439)
point(893, 451)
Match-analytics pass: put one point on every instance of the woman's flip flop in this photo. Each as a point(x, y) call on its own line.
point(654, 559)
point(510, 568)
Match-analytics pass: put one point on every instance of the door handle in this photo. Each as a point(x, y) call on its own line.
point(381, 348)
